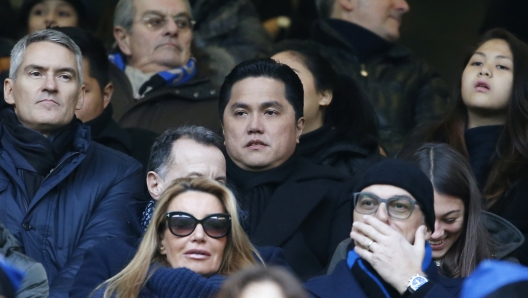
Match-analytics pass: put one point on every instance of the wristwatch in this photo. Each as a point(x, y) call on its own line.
point(416, 282)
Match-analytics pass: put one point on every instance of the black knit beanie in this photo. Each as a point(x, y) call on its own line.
point(407, 176)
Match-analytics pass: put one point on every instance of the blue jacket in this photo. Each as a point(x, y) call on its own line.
point(496, 279)
point(78, 204)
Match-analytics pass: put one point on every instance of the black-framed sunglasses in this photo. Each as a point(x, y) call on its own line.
point(399, 207)
point(183, 224)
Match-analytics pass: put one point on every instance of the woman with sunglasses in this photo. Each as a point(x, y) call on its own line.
point(393, 216)
point(195, 226)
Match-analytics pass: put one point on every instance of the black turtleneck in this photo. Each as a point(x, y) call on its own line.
point(104, 130)
point(481, 143)
point(366, 43)
point(312, 145)
point(41, 154)
point(254, 189)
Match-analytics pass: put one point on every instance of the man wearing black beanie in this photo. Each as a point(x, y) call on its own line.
point(393, 217)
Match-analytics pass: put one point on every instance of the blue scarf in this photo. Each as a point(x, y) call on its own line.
point(370, 281)
point(173, 77)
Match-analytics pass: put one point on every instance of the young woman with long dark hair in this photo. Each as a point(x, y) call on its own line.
point(340, 122)
point(464, 234)
point(490, 126)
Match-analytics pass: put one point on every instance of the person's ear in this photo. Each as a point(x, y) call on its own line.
point(346, 5)
point(299, 128)
point(162, 247)
point(123, 41)
point(154, 185)
point(80, 99)
point(8, 91)
point(326, 98)
point(107, 93)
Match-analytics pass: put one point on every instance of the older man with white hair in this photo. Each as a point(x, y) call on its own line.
point(162, 83)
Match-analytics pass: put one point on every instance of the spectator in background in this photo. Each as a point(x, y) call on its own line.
point(38, 15)
point(464, 235)
point(161, 84)
point(230, 26)
point(360, 41)
point(97, 109)
point(340, 123)
point(62, 193)
point(262, 282)
point(291, 203)
point(489, 124)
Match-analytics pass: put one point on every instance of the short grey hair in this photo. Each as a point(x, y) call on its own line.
point(324, 8)
point(125, 12)
point(49, 35)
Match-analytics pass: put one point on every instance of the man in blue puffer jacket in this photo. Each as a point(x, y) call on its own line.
point(60, 193)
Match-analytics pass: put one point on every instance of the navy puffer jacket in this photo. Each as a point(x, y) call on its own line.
point(79, 203)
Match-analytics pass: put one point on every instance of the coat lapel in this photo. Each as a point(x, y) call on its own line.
point(289, 205)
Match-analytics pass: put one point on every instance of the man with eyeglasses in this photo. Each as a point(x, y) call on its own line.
point(388, 255)
point(158, 82)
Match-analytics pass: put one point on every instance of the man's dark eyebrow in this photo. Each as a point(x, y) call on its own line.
point(269, 104)
point(263, 105)
point(241, 105)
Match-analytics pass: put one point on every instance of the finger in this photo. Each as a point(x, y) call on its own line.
point(419, 240)
point(363, 253)
point(362, 240)
point(380, 226)
point(367, 230)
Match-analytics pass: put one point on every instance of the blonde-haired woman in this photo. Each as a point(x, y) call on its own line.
point(195, 226)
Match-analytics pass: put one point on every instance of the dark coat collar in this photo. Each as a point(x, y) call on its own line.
point(106, 131)
point(303, 197)
point(323, 33)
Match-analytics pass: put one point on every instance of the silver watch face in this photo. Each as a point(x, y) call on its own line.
point(417, 282)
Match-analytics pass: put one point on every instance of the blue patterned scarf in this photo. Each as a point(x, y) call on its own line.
point(173, 77)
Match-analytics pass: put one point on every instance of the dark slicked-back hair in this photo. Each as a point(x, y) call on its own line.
point(265, 68)
point(93, 50)
point(160, 153)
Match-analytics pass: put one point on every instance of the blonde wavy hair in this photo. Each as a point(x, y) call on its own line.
point(238, 253)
